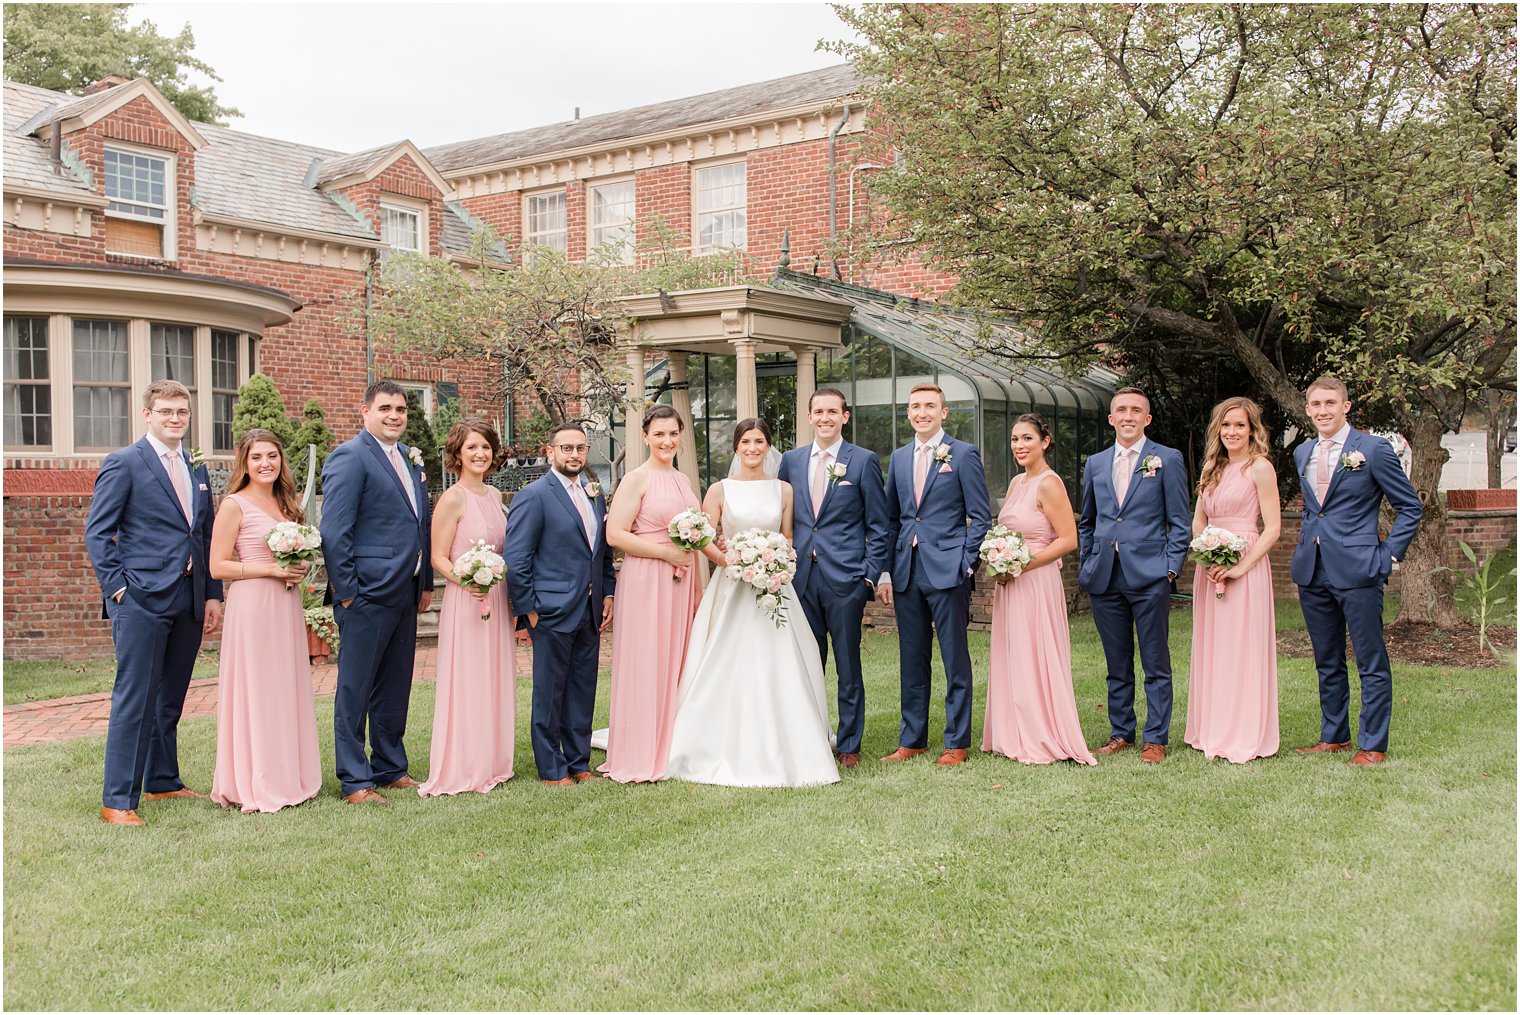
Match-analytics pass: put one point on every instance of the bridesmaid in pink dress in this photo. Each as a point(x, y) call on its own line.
point(266, 724)
point(1031, 707)
point(656, 600)
point(475, 697)
point(1232, 693)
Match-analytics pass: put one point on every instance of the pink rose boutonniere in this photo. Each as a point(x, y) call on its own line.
point(1354, 461)
point(944, 457)
point(1149, 466)
point(593, 489)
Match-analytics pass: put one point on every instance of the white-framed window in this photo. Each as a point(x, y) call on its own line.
point(721, 200)
point(401, 227)
point(224, 385)
point(611, 218)
point(139, 191)
point(544, 220)
point(424, 393)
point(102, 393)
point(28, 391)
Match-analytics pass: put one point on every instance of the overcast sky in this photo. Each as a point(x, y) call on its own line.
point(352, 76)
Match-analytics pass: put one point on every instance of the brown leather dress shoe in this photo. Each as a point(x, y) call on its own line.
point(904, 753)
point(1114, 746)
point(405, 782)
point(1323, 747)
point(952, 756)
point(367, 795)
point(566, 781)
point(584, 776)
point(849, 759)
point(177, 794)
point(1152, 754)
point(1368, 758)
point(117, 816)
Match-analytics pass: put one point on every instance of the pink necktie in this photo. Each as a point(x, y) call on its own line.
point(1322, 480)
point(582, 505)
point(405, 477)
point(1121, 481)
point(920, 471)
point(177, 477)
point(820, 480)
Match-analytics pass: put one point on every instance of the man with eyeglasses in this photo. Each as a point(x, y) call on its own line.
point(560, 582)
point(149, 538)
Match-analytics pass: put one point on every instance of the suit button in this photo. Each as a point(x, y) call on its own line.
point(815, 528)
point(1322, 514)
point(1120, 518)
point(917, 519)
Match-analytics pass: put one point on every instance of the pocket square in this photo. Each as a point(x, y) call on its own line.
point(203, 486)
point(845, 482)
point(944, 468)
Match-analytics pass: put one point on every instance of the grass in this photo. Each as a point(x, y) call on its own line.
point(39, 680)
point(1286, 883)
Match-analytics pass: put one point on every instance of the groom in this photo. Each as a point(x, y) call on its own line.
point(938, 512)
point(560, 583)
point(839, 529)
point(1134, 531)
point(1340, 566)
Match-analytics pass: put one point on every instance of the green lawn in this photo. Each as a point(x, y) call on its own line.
point(1287, 883)
point(40, 680)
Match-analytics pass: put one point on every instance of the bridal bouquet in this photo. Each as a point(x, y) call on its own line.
point(1004, 552)
point(691, 530)
point(1217, 546)
point(292, 542)
point(766, 562)
point(483, 567)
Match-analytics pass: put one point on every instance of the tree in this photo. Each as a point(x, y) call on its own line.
point(1296, 189)
point(313, 430)
point(419, 435)
point(259, 405)
point(67, 47)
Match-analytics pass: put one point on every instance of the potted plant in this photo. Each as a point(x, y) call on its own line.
point(321, 628)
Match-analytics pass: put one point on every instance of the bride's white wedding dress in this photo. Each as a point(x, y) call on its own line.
point(751, 710)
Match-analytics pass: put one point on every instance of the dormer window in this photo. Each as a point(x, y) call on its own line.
point(401, 228)
point(139, 188)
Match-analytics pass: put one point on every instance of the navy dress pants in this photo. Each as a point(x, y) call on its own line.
point(831, 615)
point(564, 695)
point(1329, 613)
point(376, 653)
point(923, 612)
point(1123, 614)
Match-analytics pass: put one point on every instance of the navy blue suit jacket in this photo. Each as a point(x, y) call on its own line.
point(950, 522)
point(847, 540)
point(1153, 526)
point(136, 532)
point(551, 569)
point(370, 537)
point(1344, 529)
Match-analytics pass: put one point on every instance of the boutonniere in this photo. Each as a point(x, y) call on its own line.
point(197, 458)
point(414, 455)
point(593, 489)
point(942, 454)
point(1150, 465)
point(1354, 461)
point(835, 472)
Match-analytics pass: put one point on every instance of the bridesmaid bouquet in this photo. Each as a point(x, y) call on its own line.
point(766, 562)
point(1004, 552)
point(291, 543)
point(691, 530)
point(1217, 546)
point(483, 567)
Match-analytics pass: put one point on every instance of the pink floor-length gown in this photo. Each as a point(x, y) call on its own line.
point(1232, 693)
point(266, 722)
point(651, 625)
point(1031, 707)
point(475, 698)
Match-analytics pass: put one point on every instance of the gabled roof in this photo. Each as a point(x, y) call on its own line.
point(28, 163)
point(85, 111)
point(364, 166)
point(791, 92)
point(459, 233)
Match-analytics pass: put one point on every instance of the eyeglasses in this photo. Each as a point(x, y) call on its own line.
point(172, 413)
point(572, 449)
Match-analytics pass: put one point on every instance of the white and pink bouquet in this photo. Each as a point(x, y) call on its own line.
point(1004, 552)
point(766, 562)
point(691, 530)
point(482, 567)
point(1217, 546)
point(293, 542)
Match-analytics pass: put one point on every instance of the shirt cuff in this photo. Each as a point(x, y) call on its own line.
point(885, 579)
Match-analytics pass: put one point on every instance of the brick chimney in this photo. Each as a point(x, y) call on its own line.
point(107, 82)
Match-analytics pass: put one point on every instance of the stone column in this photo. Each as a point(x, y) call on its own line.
point(807, 382)
point(633, 445)
point(747, 392)
point(680, 399)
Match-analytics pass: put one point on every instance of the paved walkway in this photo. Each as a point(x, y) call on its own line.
point(38, 722)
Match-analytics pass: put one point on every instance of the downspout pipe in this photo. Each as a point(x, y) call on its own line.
point(834, 187)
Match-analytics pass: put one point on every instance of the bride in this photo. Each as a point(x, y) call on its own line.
point(751, 710)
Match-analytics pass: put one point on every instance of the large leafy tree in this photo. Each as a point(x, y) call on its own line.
point(1295, 189)
point(68, 47)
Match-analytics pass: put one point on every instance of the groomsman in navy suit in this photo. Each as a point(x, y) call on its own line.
point(1341, 565)
point(840, 532)
point(1134, 530)
point(560, 582)
point(149, 538)
point(376, 541)
point(938, 512)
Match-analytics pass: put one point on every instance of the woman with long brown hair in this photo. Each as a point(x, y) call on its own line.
point(266, 727)
point(1232, 693)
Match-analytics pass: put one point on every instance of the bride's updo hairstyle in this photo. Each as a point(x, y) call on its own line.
point(744, 426)
point(655, 412)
